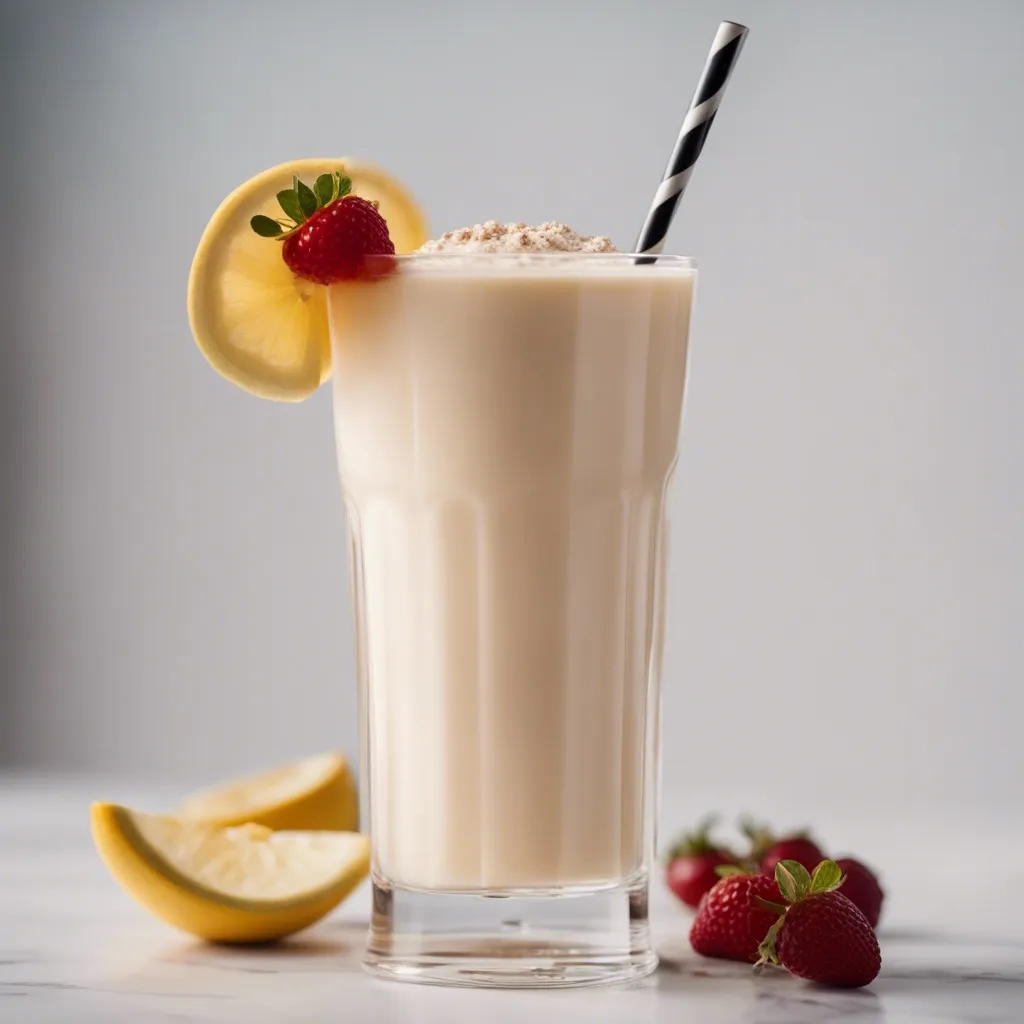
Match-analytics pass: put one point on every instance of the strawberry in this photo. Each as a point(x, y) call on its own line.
point(730, 922)
point(798, 847)
point(820, 936)
point(692, 862)
point(766, 850)
point(330, 233)
point(862, 889)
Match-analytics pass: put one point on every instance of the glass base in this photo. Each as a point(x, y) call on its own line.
point(511, 939)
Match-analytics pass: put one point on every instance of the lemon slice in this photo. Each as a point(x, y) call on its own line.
point(258, 324)
point(245, 884)
point(316, 794)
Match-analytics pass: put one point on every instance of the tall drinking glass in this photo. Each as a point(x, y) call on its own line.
point(506, 429)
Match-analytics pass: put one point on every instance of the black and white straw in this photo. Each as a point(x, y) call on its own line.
point(725, 51)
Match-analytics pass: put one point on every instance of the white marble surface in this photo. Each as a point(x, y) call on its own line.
point(73, 948)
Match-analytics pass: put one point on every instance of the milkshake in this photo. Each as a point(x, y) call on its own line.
point(506, 426)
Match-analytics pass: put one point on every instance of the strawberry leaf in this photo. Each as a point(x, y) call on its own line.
point(793, 880)
point(324, 189)
point(706, 824)
point(265, 227)
point(698, 841)
point(344, 184)
point(307, 200)
point(288, 199)
point(828, 875)
point(786, 882)
point(802, 876)
point(760, 836)
point(728, 870)
point(775, 908)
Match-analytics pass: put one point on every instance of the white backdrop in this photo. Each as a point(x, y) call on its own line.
point(846, 585)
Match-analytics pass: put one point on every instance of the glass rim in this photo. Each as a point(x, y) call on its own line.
point(668, 259)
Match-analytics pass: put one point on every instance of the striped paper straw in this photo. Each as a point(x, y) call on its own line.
point(725, 51)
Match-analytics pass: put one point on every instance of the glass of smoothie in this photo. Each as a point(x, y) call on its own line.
point(507, 402)
point(507, 406)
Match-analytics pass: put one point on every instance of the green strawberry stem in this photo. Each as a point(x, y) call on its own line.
point(760, 836)
point(766, 950)
point(698, 841)
point(300, 202)
point(727, 870)
point(796, 883)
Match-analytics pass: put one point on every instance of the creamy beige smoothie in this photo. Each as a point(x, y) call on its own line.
point(506, 426)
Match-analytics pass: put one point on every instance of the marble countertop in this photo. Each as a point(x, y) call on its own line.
point(73, 948)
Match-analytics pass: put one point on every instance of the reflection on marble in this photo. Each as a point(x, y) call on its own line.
point(74, 949)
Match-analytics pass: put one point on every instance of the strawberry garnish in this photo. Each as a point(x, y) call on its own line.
point(331, 235)
point(820, 935)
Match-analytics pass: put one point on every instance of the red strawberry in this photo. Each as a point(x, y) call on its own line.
point(690, 876)
point(798, 847)
point(692, 862)
point(331, 233)
point(766, 850)
point(862, 889)
point(334, 243)
point(730, 923)
point(821, 936)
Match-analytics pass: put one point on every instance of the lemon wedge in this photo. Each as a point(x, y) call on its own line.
point(316, 794)
point(258, 324)
point(245, 884)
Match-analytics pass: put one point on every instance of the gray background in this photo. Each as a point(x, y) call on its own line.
point(846, 585)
